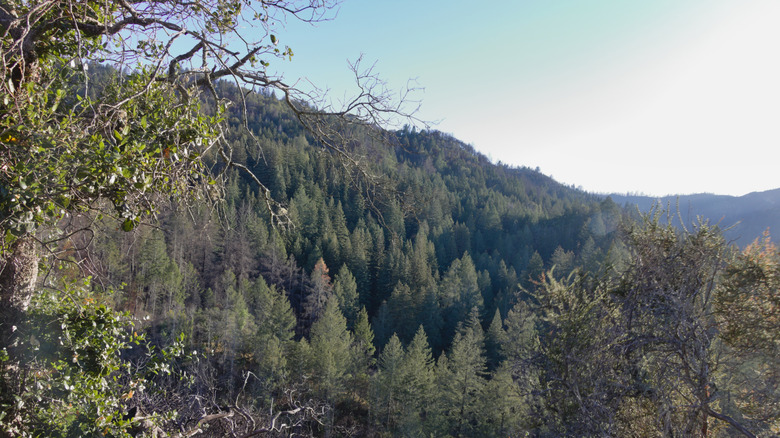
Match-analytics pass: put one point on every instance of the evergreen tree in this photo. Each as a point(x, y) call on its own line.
point(389, 386)
point(330, 358)
point(320, 292)
point(391, 272)
point(507, 284)
point(151, 273)
point(419, 386)
point(502, 406)
point(495, 337)
point(430, 317)
point(534, 270)
point(521, 340)
point(747, 306)
point(236, 327)
point(402, 310)
point(422, 262)
point(362, 356)
point(383, 325)
point(575, 329)
point(459, 292)
point(275, 330)
point(345, 291)
point(358, 262)
point(364, 341)
point(462, 391)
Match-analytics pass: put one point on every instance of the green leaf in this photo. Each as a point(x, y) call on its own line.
point(128, 225)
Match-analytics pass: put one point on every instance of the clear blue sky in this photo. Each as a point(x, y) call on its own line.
point(659, 97)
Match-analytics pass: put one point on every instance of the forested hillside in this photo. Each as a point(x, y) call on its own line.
point(402, 286)
point(438, 213)
point(423, 292)
point(186, 254)
point(440, 248)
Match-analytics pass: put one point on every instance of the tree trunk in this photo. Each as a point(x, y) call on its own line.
point(18, 274)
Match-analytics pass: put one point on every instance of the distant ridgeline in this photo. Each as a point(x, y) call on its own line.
point(744, 218)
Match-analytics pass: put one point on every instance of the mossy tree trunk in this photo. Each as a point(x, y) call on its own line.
point(18, 275)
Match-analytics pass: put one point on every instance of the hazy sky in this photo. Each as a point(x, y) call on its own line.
point(659, 97)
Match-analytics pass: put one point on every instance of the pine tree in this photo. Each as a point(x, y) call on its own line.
point(534, 269)
point(236, 326)
point(360, 242)
point(363, 344)
point(403, 312)
point(276, 323)
point(494, 339)
point(422, 262)
point(330, 351)
point(389, 384)
point(150, 274)
point(502, 407)
point(383, 325)
point(430, 317)
point(507, 287)
point(419, 383)
point(362, 351)
point(345, 291)
point(467, 368)
point(459, 292)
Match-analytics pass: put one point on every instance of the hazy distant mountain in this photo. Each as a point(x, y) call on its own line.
point(749, 215)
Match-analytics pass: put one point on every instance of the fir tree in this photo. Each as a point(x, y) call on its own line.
point(330, 357)
point(467, 368)
point(345, 291)
point(419, 383)
point(494, 339)
point(389, 385)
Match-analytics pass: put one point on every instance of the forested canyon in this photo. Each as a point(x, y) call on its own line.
point(205, 252)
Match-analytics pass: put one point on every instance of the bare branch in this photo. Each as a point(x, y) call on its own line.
point(735, 424)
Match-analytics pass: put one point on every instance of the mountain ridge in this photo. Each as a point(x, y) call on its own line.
point(743, 218)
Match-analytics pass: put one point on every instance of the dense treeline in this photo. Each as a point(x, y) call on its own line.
point(444, 296)
point(456, 219)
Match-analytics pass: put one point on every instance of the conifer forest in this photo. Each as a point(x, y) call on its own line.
point(238, 260)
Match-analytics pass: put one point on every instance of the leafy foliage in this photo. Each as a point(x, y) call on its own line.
point(84, 369)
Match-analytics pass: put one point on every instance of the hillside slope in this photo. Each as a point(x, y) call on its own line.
point(437, 297)
point(439, 226)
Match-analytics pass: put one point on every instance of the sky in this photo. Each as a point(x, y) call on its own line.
point(612, 96)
